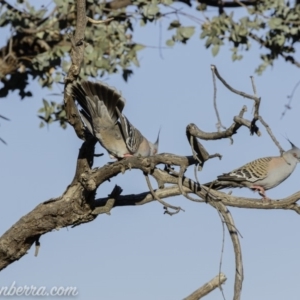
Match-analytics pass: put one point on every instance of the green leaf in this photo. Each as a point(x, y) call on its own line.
point(274, 23)
point(152, 9)
point(89, 49)
point(167, 2)
point(59, 2)
point(215, 50)
point(294, 30)
point(138, 47)
point(201, 7)
point(143, 22)
point(46, 104)
point(135, 61)
point(40, 35)
point(280, 40)
point(187, 32)
point(65, 48)
point(170, 43)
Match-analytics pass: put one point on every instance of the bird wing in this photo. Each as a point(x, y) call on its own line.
point(132, 136)
point(251, 172)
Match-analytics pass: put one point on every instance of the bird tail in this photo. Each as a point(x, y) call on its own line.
point(214, 185)
point(98, 101)
point(219, 185)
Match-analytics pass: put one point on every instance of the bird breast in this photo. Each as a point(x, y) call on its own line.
point(278, 170)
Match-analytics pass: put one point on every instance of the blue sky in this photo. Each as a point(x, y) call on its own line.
point(138, 252)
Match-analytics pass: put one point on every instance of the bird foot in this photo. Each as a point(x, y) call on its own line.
point(127, 155)
point(259, 189)
point(262, 192)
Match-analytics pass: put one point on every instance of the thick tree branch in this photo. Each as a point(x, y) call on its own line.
point(77, 205)
point(74, 70)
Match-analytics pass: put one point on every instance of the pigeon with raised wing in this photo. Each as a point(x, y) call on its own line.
point(261, 174)
point(101, 113)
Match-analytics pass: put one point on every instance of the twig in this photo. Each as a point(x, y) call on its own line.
point(196, 169)
point(243, 94)
point(207, 287)
point(77, 53)
point(4, 118)
point(180, 178)
point(166, 205)
point(290, 97)
point(256, 103)
point(99, 21)
point(271, 134)
point(265, 44)
point(109, 204)
point(222, 250)
point(219, 124)
point(239, 273)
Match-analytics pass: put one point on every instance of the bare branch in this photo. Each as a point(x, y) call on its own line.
point(77, 206)
point(243, 94)
point(248, 124)
point(74, 70)
point(253, 127)
point(199, 152)
point(166, 205)
point(290, 97)
point(207, 287)
point(238, 122)
point(222, 251)
point(271, 134)
point(99, 21)
point(219, 124)
point(101, 209)
point(180, 178)
point(239, 273)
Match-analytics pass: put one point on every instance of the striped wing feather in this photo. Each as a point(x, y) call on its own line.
point(252, 172)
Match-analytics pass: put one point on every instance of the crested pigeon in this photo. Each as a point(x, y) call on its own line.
point(101, 113)
point(261, 174)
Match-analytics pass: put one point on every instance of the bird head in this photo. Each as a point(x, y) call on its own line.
point(295, 151)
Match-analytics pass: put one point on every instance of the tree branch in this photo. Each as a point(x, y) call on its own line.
point(207, 287)
point(77, 58)
point(228, 220)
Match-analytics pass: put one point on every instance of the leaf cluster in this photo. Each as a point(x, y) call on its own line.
point(40, 41)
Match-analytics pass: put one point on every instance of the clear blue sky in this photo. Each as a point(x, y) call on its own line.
point(138, 252)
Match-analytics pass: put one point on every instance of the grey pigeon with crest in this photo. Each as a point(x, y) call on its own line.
point(261, 174)
point(102, 113)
